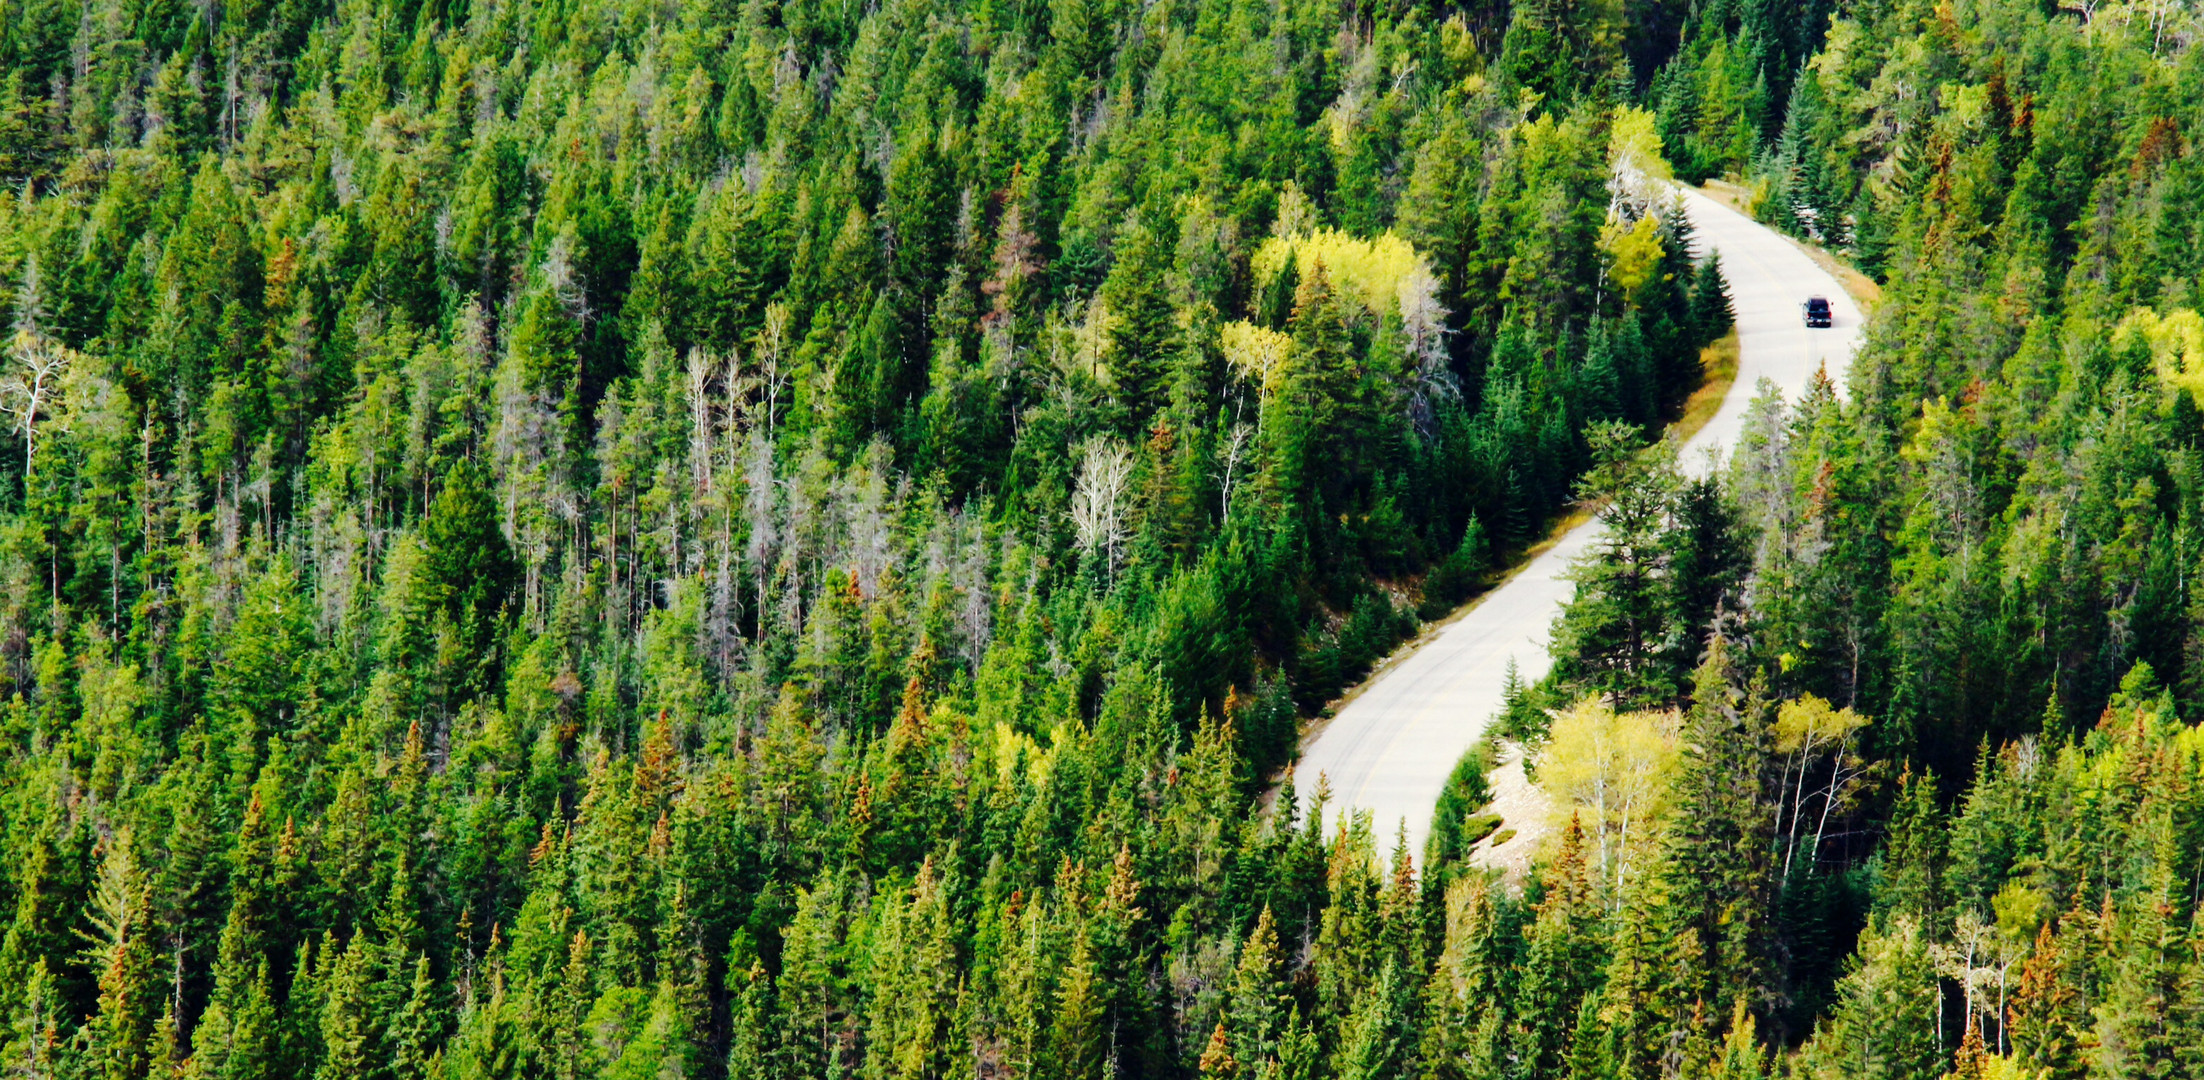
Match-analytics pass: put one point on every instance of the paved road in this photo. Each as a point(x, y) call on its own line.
point(1390, 749)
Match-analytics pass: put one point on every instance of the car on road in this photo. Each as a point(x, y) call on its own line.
point(1817, 311)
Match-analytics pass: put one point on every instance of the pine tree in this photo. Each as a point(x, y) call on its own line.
point(1741, 1057)
point(1621, 633)
point(1143, 336)
point(1712, 313)
point(417, 1033)
point(1216, 1058)
point(567, 998)
point(909, 1017)
point(1884, 1025)
point(1077, 1037)
point(1654, 978)
point(1259, 1003)
point(1537, 53)
point(120, 1037)
point(2048, 1015)
point(34, 1045)
point(752, 1043)
point(349, 1043)
point(465, 578)
point(1720, 862)
point(1561, 961)
point(2138, 1026)
point(1373, 1041)
point(1465, 1000)
point(1323, 427)
point(1912, 861)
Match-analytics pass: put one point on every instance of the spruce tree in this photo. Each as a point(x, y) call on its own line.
point(1561, 962)
point(1721, 863)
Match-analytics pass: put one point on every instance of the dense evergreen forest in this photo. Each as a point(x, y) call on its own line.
point(559, 538)
point(1945, 815)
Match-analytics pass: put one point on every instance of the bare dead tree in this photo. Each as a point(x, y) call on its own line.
point(1234, 453)
point(33, 382)
point(1096, 506)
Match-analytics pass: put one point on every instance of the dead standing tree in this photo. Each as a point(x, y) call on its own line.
point(30, 390)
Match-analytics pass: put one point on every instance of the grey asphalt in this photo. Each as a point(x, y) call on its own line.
point(1390, 748)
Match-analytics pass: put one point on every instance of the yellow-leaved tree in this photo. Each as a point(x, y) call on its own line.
point(1370, 272)
point(1611, 771)
point(1638, 185)
point(2176, 342)
point(1808, 730)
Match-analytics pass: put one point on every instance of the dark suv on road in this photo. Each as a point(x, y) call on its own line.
point(1817, 311)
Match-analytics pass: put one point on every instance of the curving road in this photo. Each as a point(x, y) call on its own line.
point(1389, 750)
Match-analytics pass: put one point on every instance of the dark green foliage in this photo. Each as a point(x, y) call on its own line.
point(1460, 575)
point(585, 539)
point(1669, 557)
point(1711, 312)
point(579, 539)
point(1979, 547)
point(1456, 824)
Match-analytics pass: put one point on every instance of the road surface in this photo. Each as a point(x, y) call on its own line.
point(1390, 749)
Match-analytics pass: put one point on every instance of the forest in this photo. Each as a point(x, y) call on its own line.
point(788, 538)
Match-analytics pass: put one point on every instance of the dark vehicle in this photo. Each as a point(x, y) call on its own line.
point(1817, 311)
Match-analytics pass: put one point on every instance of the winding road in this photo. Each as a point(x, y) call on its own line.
point(1389, 749)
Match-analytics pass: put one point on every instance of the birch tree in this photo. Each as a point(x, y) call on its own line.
point(1611, 772)
point(1097, 520)
point(29, 391)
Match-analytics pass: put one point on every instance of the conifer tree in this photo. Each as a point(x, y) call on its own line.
point(1884, 1024)
point(1622, 633)
point(120, 1036)
point(1255, 1017)
point(1561, 962)
point(1912, 871)
point(1143, 337)
point(482, 476)
point(2047, 1017)
point(1722, 869)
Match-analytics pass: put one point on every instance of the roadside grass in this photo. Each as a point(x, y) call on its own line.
point(1719, 361)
